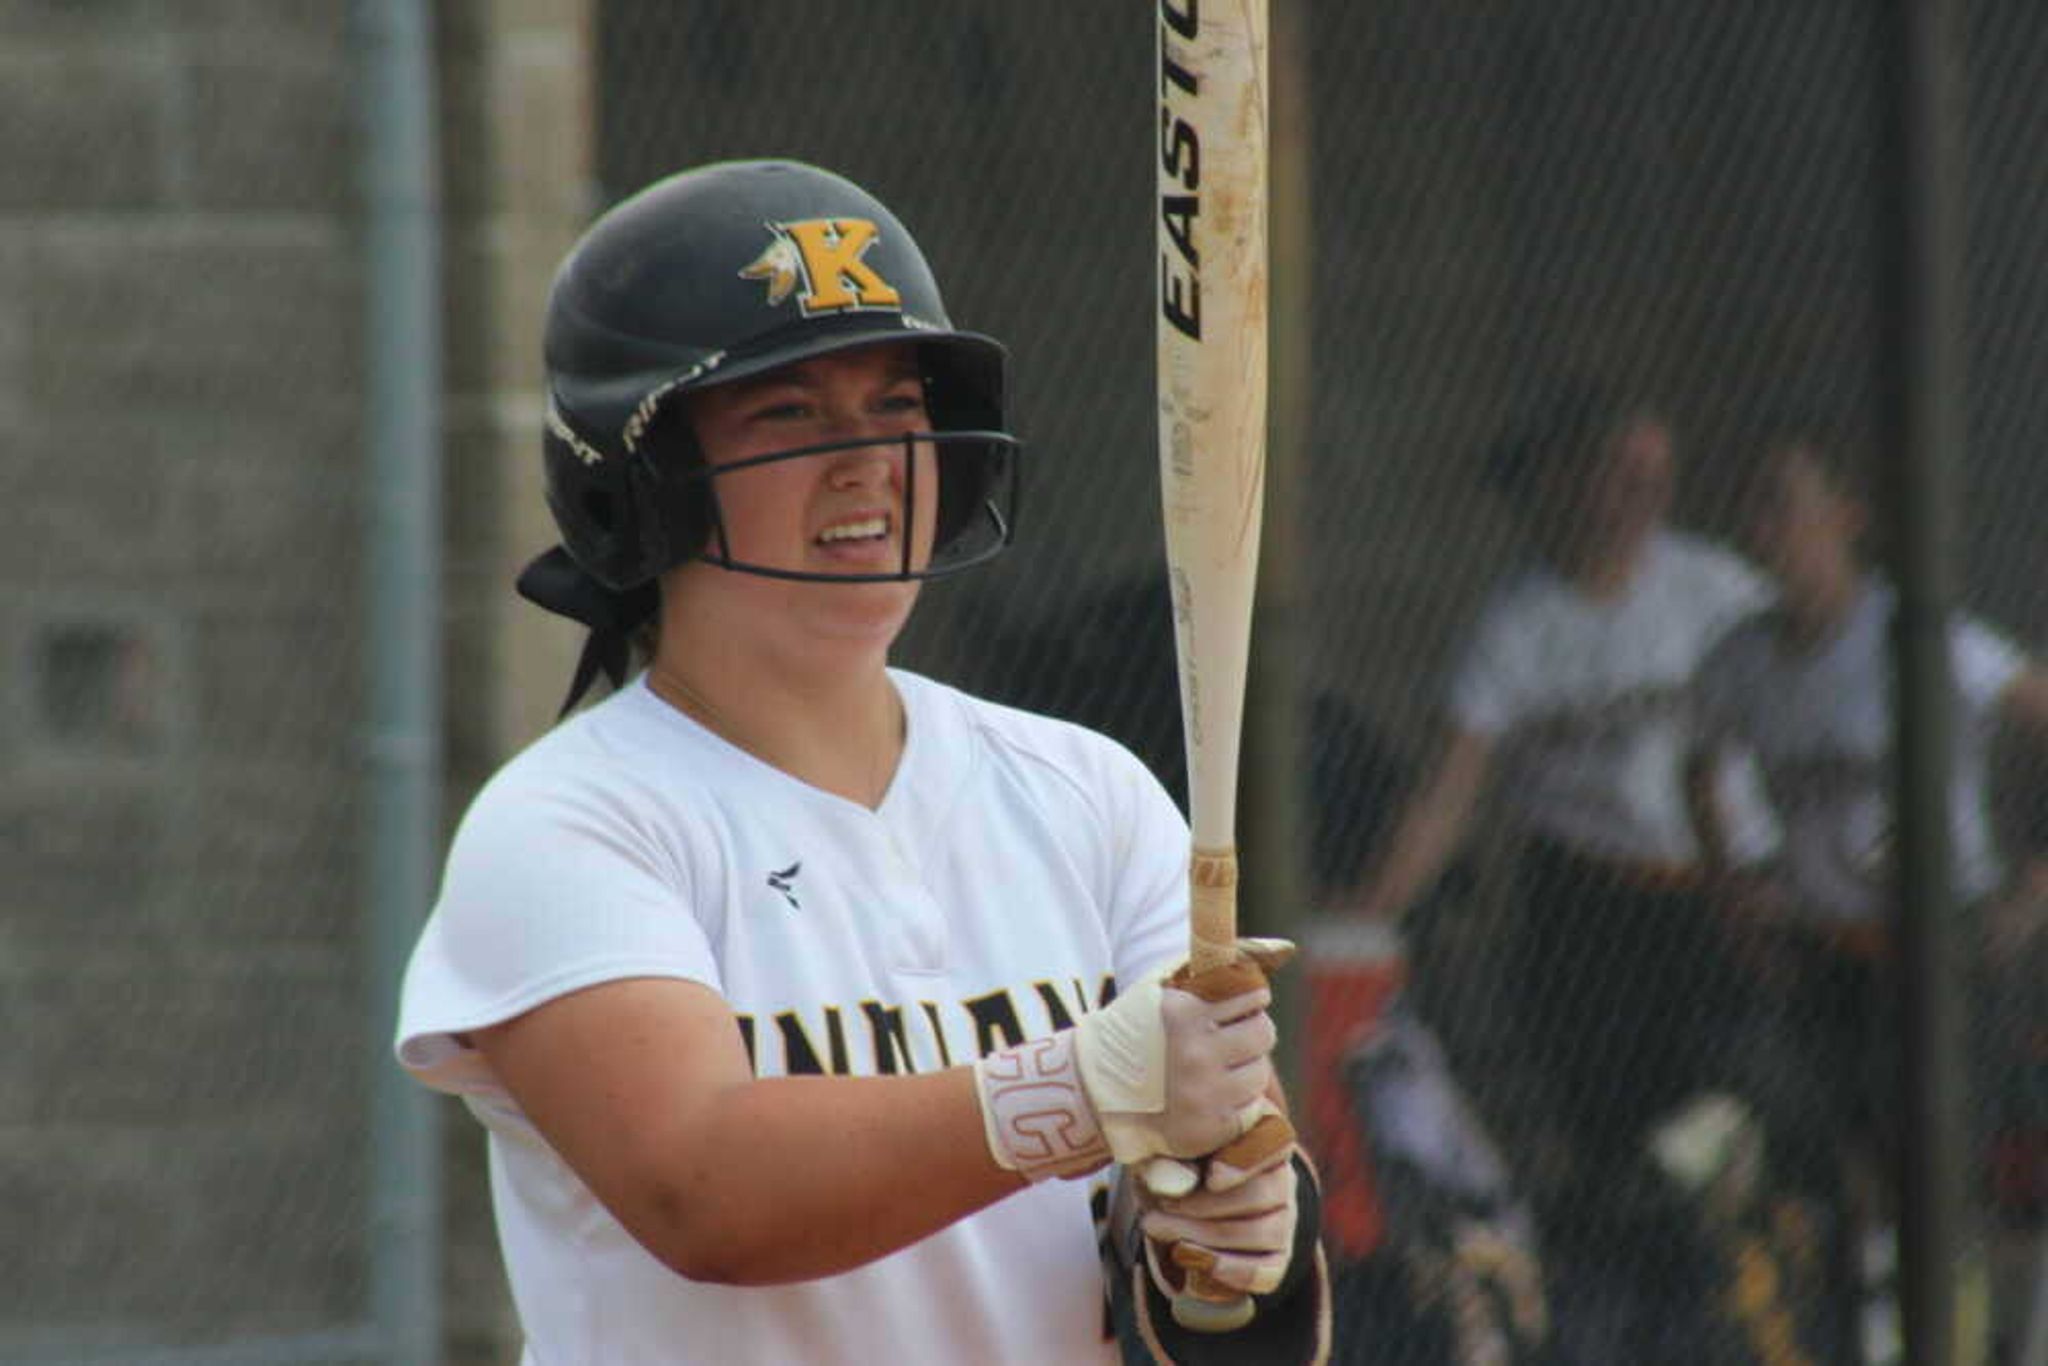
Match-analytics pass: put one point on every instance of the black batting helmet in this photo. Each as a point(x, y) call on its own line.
point(713, 275)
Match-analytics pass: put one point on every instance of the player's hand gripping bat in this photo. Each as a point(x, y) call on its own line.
point(1212, 444)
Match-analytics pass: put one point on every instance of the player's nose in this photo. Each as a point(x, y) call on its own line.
point(865, 466)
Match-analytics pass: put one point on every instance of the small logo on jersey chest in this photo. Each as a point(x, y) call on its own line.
point(783, 880)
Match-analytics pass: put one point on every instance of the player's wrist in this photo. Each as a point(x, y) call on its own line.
point(1121, 1054)
point(1035, 1111)
point(1156, 1072)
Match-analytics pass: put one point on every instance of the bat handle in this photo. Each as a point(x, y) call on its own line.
point(1199, 1314)
point(1215, 971)
point(1212, 910)
point(1204, 1304)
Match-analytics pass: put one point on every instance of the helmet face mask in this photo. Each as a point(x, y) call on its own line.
point(729, 272)
point(976, 478)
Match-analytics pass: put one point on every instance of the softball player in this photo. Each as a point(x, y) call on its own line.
point(1572, 686)
point(1807, 686)
point(806, 1001)
point(1570, 697)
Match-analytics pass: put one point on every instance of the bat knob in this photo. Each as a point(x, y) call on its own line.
point(1198, 1315)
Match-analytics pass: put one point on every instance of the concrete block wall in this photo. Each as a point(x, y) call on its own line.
point(518, 124)
point(180, 1123)
point(181, 1102)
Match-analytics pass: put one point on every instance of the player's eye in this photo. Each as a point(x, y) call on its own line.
point(905, 394)
point(781, 410)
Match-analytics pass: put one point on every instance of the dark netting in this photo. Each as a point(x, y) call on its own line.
point(1591, 1100)
point(181, 1134)
point(1586, 1110)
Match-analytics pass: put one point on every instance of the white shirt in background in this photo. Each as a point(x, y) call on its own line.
point(1821, 724)
point(1590, 700)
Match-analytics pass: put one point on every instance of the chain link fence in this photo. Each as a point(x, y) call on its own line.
point(1573, 1111)
point(181, 1097)
point(1580, 1106)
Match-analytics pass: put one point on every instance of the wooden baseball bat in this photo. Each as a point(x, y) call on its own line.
point(1212, 183)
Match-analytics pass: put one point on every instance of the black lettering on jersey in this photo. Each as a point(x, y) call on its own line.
point(747, 1038)
point(1056, 1009)
point(1107, 993)
point(886, 1038)
point(931, 1012)
point(995, 1022)
point(800, 1056)
point(835, 1033)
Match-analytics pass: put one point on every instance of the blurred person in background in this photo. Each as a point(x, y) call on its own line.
point(1570, 700)
point(806, 1001)
point(1806, 686)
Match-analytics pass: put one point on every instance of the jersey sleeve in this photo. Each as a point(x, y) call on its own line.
point(546, 892)
point(1985, 664)
point(1484, 697)
point(1741, 590)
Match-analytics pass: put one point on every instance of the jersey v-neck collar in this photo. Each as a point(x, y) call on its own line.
point(740, 761)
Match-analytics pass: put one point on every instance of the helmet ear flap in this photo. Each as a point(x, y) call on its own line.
point(590, 494)
point(680, 506)
point(968, 475)
point(963, 394)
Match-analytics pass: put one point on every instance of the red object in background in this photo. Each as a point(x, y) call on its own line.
point(1353, 969)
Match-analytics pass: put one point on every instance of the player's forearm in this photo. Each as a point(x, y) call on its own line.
point(1429, 832)
point(794, 1178)
point(1416, 854)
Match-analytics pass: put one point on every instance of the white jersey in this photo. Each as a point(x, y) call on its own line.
point(1017, 865)
point(1590, 698)
point(1820, 722)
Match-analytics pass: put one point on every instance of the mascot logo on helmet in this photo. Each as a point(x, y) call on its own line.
point(820, 260)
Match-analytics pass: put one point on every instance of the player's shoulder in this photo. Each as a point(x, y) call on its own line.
point(1987, 658)
point(1524, 590)
point(1051, 747)
point(1698, 556)
point(1518, 613)
point(602, 763)
point(1697, 547)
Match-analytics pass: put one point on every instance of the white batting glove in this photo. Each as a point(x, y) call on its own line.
point(1157, 1072)
point(1172, 1075)
point(1243, 1236)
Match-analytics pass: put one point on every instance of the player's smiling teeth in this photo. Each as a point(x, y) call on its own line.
point(867, 528)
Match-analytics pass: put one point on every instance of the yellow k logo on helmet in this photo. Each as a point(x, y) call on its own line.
point(823, 256)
